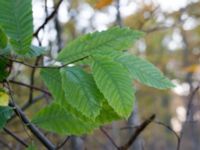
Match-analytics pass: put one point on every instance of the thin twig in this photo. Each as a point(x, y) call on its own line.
point(40, 136)
point(118, 15)
point(170, 129)
point(30, 86)
point(32, 80)
point(35, 131)
point(189, 106)
point(63, 143)
point(35, 99)
point(5, 144)
point(137, 132)
point(27, 105)
point(15, 137)
point(16, 112)
point(129, 127)
point(50, 67)
point(191, 98)
point(48, 19)
point(109, 137)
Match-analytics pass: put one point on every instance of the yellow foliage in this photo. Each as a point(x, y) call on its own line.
point(141, 19)
point(4, 98)
point(91, 2)
point(193, 68)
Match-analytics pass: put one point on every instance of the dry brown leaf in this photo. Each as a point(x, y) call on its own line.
point(102, 3)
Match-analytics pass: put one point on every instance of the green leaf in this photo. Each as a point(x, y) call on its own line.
point(57, 119)
point(5, 114)
point(5, 51)
point(35, 51)
point(3, 68)
point(113, 39)
point(52, 79)
point(3, 39)
point(107, 114)
point(81, 91)
point(140, 69)
point(145, 72)
point(114, 82)
point(16, 20)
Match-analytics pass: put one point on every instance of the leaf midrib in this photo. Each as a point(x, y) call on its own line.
point(113, 82)
point(82, 87)
point(91, 48)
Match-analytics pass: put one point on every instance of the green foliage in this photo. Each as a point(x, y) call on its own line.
point(145, 72)
point(107, 114)
point(86, 99)
point(140, 69)
point(5, 114)
point(83, 99)
point(5, 51)
point(57, 119)
point(3, 68)
point(53, 81)
point(114, 82)
point(16, 20)
point(81, 91)
point(35, 51)
point(3, 39)
point(113, 39)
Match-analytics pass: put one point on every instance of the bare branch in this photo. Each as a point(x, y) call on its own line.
point(137, 132)
point(48, 18)
point(170, 129)
point(189, 106)
point(63, 143)
point(40, 136)
point(15, 137)
point(118, 15)
point(32, 79)
point(29, 86)
point(5, 144)
point(28, 104)
point(35, 131)
point(37, 66)
point(109, 137)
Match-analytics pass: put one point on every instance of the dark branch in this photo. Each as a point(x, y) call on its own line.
point(189, 107)
point(50, 67)
point(30, 86)
point(118, 15)
point(40, 136)
point(48, 19)
point(5, 144)
point(32, 80)
point(28, 104)
point(35, 131)
point(109, 137)
point(137, 132)
point(170, 129)
point(191, 98)
point(15, 137)
point(63, 143)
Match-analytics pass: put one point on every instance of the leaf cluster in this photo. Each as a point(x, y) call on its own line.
point(84, 99)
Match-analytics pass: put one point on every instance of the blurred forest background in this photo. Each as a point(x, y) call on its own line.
point(171, 42)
